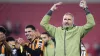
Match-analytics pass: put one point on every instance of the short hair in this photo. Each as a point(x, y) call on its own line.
point(68, 13)
point(10, 39)
point(46, 34)
point(2, 29)
point(31, 26)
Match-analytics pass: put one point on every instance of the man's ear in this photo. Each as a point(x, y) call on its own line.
point(37, 33)
point(49, 38)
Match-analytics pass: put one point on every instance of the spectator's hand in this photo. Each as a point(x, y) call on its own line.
point(37, 33)
point(17, 45)
point(54, 7)
point(20, 41)
point(83, 4)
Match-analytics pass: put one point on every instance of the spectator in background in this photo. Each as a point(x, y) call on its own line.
point(83, 50)
point(49, 49)
point(12, 43)
point(96, 48)
point(5, 49)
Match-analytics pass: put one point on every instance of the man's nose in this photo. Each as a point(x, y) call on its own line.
point(66, 21)
point(27, 34)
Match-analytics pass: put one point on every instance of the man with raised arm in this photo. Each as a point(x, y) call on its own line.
point(68, 36)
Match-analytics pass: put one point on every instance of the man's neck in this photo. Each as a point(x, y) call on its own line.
point(31, 40)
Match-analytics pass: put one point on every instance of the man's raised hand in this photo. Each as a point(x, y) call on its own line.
point(83, 4)
point(54, 7)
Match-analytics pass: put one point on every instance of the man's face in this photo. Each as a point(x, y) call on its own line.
point(29, 33)
point(2, 36)
point(45, 37)
point(11, 43)
point(68, 20)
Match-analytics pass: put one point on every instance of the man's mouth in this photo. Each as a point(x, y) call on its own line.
point(28, 36)
point(66, 24)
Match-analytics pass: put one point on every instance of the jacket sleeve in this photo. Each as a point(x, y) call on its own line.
point(89, 25)
point(48, 27)
point(45, 52)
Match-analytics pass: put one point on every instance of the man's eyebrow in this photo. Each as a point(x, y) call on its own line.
point(27, 31)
